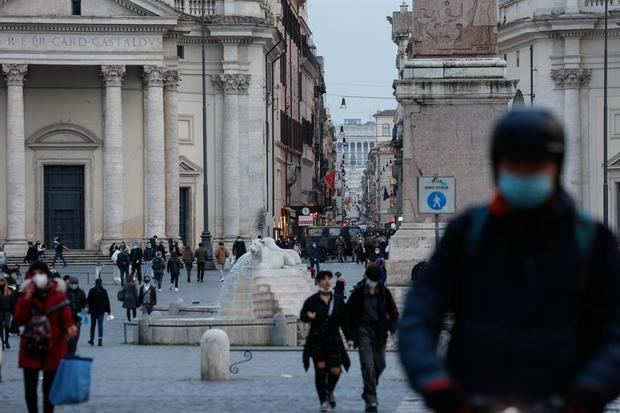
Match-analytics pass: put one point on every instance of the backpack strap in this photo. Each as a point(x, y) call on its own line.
point(58, 306)
point(585, 231)
point(480, 216)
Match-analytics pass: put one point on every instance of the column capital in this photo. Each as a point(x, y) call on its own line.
point(14, 73)
point(113, 74)
point(171, 79)
point(154, 75)
point(571, 78)
point(232, 82)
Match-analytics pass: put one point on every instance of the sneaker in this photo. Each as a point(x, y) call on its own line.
point(325, 407)
point(176, 290)
point(331, 399)
point(159, 290)
point(222, 279)
point(170, 288)
point(371, 407)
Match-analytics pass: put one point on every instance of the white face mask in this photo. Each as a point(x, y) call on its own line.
point(372, 284)
point(73, 286)
point(326, 290)
point(40, 280)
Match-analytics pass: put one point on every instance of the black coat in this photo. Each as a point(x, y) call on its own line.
point(32, 254)
point(122, 260)
point(149, 254)
point(136, 255)
point(238, 248)
point(533, 315)
point(77, 298)
point(387, 311)
point(325, 328)
point(152, 292)
point(98, 300)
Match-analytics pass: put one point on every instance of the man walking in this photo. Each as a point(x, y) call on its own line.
point(372, 316)
point(122, 262)
point(238, 248)
point(149, 254)
point(201, 261)
point(220, 257)
point(59, 248)
point(159, 266)
point(77, 298)
point(136, 261)
point(533, 287)
point(32, 255)
point(98, 305)
point(147, 299)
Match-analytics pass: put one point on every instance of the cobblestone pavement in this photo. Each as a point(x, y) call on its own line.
point(129, 378)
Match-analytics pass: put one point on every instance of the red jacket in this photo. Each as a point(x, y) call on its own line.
point(60, 321)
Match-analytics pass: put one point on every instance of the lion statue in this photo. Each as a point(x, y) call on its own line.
point(266, 254)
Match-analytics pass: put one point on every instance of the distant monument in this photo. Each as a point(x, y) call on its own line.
point(455, 28)
point(451, 89)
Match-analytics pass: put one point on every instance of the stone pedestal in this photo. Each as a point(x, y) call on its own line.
point(215, 355)
point(449, 107)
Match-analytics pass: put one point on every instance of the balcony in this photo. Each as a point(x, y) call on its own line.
point(598, 6)
point(195, 7)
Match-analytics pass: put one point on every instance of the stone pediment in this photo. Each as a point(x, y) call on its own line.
point(188, 168)
point(63, 136)
point(614, 162)
point(90, 8)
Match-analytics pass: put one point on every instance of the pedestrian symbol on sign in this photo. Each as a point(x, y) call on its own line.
point(436, 201)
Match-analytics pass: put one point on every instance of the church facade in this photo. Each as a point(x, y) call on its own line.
point(101, 118)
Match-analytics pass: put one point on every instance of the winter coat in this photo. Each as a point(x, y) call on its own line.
point(98, 300)
point(533, 313)
point(387, 311)
point(60, 321)
point(221, 253)
point(7, 303)
point(122, 260)
point(136, 256)
point(174, 266)
point(149, 254)
point(152, 291)
point(32, 254)
point(162, 249)
point(324, 329)
point(78, 301)
point(158, 265)
point(238, 248)
point(131, 296)
point(188, 256)
point(201, 255)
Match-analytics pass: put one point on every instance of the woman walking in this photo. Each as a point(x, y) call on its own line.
point(7, 307)
point(43, 302)
point(130, 297)
point(174, 268)
point(326, 313)
point(188, 262)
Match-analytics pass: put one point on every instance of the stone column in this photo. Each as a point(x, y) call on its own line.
point(171, 83)
point(113, 190)
point(231, 85)
point(15, 155)
point(570, 80)
point(155, 182)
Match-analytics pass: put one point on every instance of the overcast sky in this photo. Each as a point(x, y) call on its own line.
point(355, 39)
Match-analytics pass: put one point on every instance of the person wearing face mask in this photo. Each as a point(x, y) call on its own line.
point(326, 313)
point(77, 298)
point(373, 315)
point(147, 299)
point(44, 310)
point(314, 257)
point(533, 286)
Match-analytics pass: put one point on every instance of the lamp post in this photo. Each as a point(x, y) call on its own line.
point(206, 235)
point(605, 156)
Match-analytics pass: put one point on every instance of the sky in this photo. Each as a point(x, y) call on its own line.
point(355, 39)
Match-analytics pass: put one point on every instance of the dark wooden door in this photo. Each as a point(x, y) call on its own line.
point(184, 216)
point(64, 204)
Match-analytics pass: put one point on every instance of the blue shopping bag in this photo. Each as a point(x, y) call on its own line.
point(72, 382)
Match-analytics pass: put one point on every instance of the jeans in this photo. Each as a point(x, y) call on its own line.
point(5, 324)
point(58, 256)
point(174, 279)
point(188, 270)
point(201, 271)
point(31, 382)
point(73, 342)
point(315, 263)
point(146, 309)
point(129, 312)
point(372, 360)
point(159, 278)
point(124, 274)
point(148, 268)
point(96, 320)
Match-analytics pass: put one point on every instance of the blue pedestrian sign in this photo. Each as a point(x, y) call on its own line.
point(436, 201)
point(436, 195)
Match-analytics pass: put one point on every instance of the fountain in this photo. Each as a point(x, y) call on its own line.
point(260, 302)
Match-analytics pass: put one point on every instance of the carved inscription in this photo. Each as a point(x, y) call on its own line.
point(63, 42)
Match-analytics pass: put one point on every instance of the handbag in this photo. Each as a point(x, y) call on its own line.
point(72, 382)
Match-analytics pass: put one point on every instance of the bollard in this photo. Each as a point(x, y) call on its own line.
point(175, 308)
point(278, 334)
point(215, 355)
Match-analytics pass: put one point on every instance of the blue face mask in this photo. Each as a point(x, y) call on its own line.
point(525, 192)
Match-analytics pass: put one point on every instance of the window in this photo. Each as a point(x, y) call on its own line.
point(181, 52)
point(518, 59)
point(76, 7)
point(386, 130)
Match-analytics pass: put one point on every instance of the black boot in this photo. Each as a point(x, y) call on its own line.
point(99, 343)
point(91, 342)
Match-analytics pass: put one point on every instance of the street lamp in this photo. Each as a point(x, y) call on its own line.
point(605, 172)
point(343, 104)
point(206, 235)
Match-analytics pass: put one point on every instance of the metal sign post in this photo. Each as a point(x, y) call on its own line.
point(437, 195)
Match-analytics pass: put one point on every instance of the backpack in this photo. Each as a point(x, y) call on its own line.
point(158, 264)
point(39, 331)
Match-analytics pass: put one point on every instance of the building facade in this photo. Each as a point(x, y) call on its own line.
point(556, 50)
point(103, 127)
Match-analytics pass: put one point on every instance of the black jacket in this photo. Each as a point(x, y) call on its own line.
point(238, 248)
point(387, 311)
point(98, 300)
point(325, 328)
point(122, 260)
point(149, 254)
point(78, 301)
point(533, 314)
point(136, 255)
point(152, 292)
point(32, 254)
point(162, 249)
